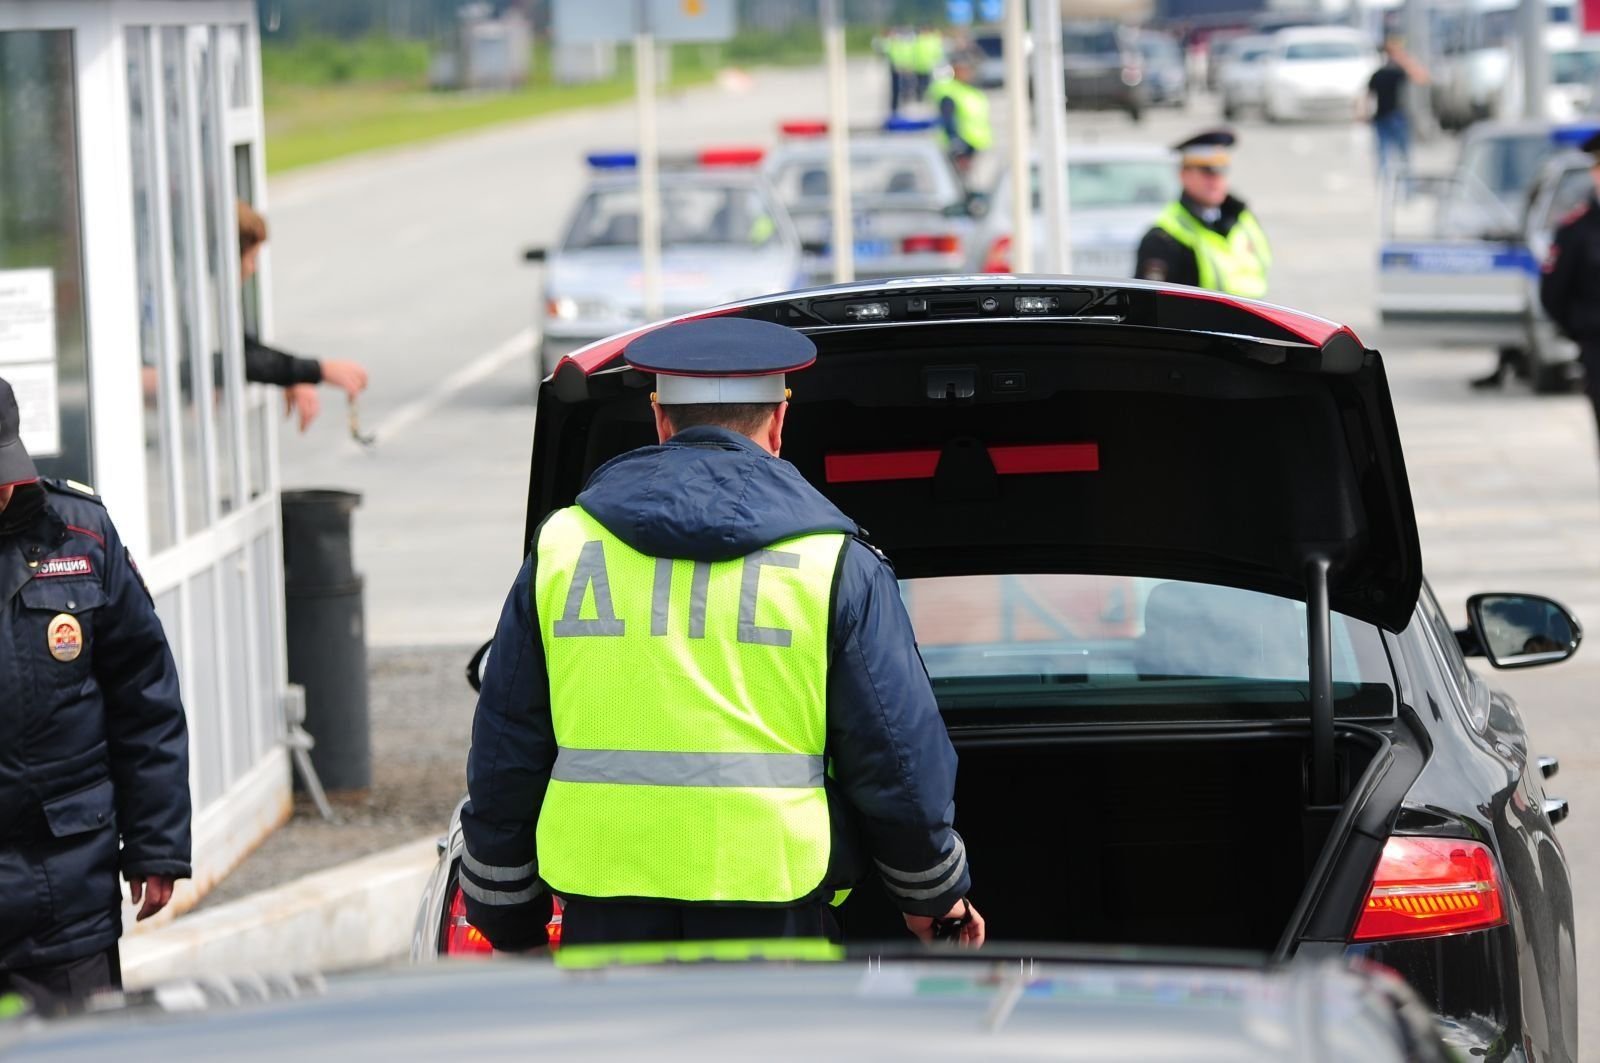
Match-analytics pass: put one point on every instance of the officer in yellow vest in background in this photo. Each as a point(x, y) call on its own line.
point(964, 126)
point(705, 696)
point(927, 56)
point(899, 48)
point(1207, 237)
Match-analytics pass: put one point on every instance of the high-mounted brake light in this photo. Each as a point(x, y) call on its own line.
point(804, 127)
point(1028, 459)
point(463, 939)
point(998, 260)
point(935, 243)
point(1425, 887)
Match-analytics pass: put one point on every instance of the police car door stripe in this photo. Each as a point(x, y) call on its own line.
point(647, 768)
point(493, 873)
point(498, 898)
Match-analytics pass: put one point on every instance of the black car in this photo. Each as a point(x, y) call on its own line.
point(767, 1005)
point(1103, 68)
point(1159, 549)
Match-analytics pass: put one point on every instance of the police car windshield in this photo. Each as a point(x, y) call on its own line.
point(875, 176)
point(1079, 637)
point(1112, 183)
point(1507, 165)
point(691, 216)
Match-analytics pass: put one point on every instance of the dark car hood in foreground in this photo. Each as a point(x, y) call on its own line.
point(1136, 429)
point(888, 1009)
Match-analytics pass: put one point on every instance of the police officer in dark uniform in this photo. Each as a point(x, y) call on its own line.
point(703, 684)
point(94, 758)
point(1207, 237)
point(1570, 288)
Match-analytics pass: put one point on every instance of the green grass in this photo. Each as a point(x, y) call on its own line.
point(326, 99)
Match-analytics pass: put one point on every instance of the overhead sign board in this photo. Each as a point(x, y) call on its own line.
point(992, 10)
point(618, 21)
point(959, 12)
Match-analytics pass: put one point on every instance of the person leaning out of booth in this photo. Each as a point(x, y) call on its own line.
point(94, 754)
point(297, 376)
point(703, 686)
point(1207, 237)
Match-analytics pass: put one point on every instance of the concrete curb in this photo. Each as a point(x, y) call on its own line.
point(352, 915)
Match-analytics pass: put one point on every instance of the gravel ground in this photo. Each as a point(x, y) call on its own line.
point(421, 715)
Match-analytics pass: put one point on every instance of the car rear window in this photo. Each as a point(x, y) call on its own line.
point(990, 45)
point(1017, 640)
point(691, 216)
point(874, 177)
point(1580, 67)
point(1507, 165)
point(1091, 42)
point(1112, 183)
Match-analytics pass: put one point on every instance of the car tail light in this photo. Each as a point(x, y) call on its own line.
point(1430, 886)
point(731, 156)
point(463, 939)
point(998, 260)
point(942, 244)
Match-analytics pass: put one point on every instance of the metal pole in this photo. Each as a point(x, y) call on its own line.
point(1531, 18)
point(1050, 119)
point(644, 77)
point(1014, 47)
point(842, 243)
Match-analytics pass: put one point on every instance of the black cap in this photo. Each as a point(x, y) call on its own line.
point(720, 359)
point(1210, 148)
point(15, 465)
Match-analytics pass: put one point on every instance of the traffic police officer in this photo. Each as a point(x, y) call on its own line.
point(703, 685)
point(1206, 237)
point(1570, 287)
point(964, 127)
point(93, 745)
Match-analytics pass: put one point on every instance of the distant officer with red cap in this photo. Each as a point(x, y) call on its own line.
point(94, 754)
point(1570, 288)
point(703, 683)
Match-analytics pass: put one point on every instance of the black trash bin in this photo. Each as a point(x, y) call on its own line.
point(327, 633)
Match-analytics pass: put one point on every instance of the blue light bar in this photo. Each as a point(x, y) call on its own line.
point(612, 160)
point(1573, 135)
point(899, 124)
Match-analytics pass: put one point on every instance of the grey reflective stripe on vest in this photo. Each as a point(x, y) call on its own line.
point(648, 768)
point(941, 876)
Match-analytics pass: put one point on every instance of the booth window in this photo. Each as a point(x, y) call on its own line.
point(44, 350)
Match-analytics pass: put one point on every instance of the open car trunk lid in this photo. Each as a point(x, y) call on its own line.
point(1125, 429)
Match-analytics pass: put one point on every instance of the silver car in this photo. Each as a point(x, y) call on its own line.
point(1114, 193)
point(911, 215)
point(724, 236)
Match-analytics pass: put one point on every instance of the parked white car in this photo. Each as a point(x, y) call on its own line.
point(1240, 80)
point(1316, 72)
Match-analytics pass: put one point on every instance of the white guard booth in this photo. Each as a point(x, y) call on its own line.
point(128, 130)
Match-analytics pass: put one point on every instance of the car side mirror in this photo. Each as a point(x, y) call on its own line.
point(1522, 630)
point(479, 665)
point(534, 254)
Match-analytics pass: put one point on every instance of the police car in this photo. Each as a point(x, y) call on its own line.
point(724, 236)
point(1455, 264)
point(1114, 192)
point(911, 214)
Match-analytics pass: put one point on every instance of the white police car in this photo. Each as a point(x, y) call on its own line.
point(911, 215)
point(724, 236)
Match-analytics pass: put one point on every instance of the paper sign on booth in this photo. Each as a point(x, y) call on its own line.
point(28, 355)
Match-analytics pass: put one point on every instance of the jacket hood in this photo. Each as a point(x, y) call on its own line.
point(707, 494)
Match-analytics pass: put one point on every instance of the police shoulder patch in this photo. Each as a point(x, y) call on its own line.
point(72, 487)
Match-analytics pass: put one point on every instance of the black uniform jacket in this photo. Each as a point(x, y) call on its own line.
point(1570, 288)
point(1162, 258)
point(93, 744)
point(710, 494)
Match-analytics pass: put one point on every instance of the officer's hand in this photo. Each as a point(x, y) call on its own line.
point(302, 398)
point(972, 931)
point(156, 891)
point(350, 376)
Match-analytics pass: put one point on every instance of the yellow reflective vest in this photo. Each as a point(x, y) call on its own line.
point(1236, 263)
point(927, 52)
point(972, 112)
point(689, 705)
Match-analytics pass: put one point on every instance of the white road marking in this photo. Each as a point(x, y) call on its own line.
point(517, 346)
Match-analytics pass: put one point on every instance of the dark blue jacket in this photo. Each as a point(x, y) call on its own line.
point(712, 495)
point(93, 744)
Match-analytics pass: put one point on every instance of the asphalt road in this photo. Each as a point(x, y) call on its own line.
point(410, 263)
